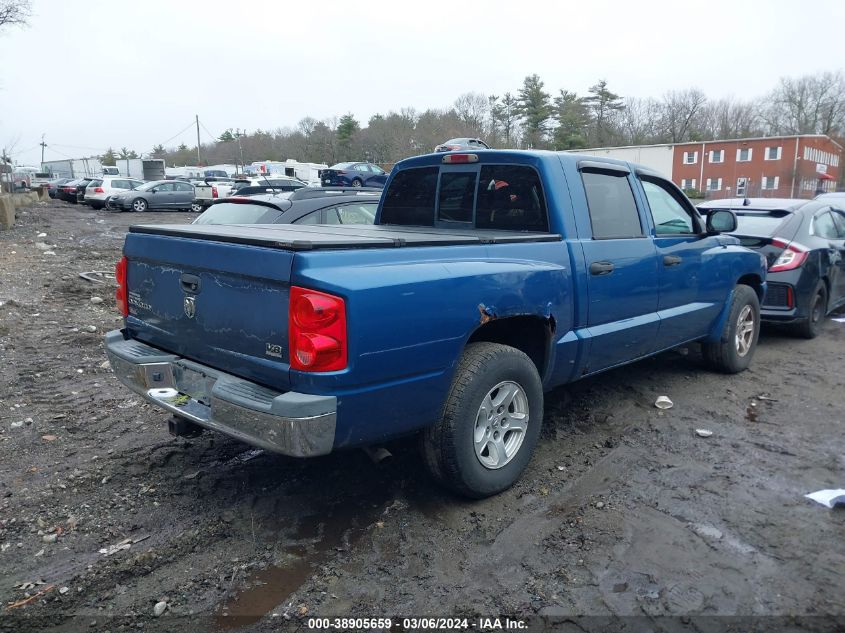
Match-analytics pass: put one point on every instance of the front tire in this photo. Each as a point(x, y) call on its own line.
point(491, 422)
point(356, 182)
point(139, 205)
point(811, 326)
point(735, 348)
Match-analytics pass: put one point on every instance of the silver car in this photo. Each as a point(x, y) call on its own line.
point(159, 194)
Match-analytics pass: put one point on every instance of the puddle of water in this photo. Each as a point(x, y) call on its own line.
point(340, 527)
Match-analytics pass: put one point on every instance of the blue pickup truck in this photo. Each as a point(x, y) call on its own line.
point(489, 278)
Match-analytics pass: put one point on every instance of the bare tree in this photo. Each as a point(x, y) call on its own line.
point(680, 108)
point(812, 104)
point(15, 13)
point(640, 121)
point(472, 109)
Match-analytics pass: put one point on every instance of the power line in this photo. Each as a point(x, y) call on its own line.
point(210, 135)
point(187, 127)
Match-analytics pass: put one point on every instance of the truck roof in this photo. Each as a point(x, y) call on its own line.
point(519, 156)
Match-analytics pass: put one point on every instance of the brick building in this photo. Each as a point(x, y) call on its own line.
point(773, 166)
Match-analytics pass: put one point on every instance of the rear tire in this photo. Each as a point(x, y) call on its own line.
point(811, 326)
point(196, 207)
point(491, 422)
point(735, 348)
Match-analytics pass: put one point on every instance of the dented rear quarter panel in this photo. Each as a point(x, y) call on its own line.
point(411, 311)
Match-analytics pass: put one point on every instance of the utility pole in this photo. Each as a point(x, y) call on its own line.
point(238, 135)
point(43, 145)
point(199, 160)
point(3, 172)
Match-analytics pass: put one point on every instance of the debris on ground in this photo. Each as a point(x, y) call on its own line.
point(829, 498)
point(124, 544)
point(703, 432)
point(159, 608)
point(663, 402)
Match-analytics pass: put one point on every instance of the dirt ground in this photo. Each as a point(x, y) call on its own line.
point(624, 510)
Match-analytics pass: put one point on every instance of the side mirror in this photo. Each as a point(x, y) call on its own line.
point(153, 190)
point(721, 221)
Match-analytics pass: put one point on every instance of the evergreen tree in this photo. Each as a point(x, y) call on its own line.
point(505, 114)
point(604, 104)
point(573, 121)
point(108, 159)
point(345, 132)
point(227, 136)
point(534, 106)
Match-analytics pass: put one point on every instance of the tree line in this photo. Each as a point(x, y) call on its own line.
point(534, 117)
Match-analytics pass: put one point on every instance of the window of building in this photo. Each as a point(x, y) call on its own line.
point(741, 186)
point(714, 184)
point(770, 182)
point(690, 158)
point(688, 183)
point(773, 153)
point(717, 156)
point(613, 211)
point(743, 154)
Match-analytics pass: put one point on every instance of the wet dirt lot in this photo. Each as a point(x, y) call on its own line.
point(623, 511)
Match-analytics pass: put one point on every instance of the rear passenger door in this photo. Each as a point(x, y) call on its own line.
point(622, 273)
point(690, 293)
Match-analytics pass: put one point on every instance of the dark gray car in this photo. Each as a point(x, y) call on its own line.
point(159, 194)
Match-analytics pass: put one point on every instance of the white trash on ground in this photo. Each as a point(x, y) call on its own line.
point(663, 402)
point(828, 498)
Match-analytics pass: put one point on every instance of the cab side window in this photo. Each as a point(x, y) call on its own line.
point(613, 210)
point(671, 216)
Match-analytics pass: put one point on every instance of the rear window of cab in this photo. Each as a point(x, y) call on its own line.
point(504, 197)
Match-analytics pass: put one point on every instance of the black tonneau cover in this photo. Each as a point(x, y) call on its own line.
point(327, 237)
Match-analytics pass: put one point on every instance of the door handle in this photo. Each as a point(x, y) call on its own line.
point(601, 268)
point(190, 283)
point(671, 260)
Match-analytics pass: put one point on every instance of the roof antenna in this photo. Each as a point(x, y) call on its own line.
point(264, 176)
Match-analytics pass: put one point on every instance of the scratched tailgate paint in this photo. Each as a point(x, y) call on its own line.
point(238, 317)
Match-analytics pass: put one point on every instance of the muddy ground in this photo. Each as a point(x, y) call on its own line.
point(623, 511)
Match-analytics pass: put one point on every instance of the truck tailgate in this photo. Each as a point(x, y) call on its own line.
point(221, 304)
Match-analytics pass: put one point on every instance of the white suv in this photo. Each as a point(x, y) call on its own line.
point(98, 191)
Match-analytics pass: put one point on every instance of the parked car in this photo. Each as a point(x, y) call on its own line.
point(54, 185)
point(454, 144)
point(840, 195)
point(98, 191)
point(69, 192)
point(331, 207)
point(353, 175)
point(272, 184)
point(208, 190)
point(804, 246)
point(487, 279)
point(159, 194)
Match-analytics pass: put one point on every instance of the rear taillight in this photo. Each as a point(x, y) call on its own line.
point(121, 294)
point(317, 331)
point(99, 190)
point(214, 192)
point(791, 258)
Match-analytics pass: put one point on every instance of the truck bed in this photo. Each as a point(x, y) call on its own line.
point(329, 237)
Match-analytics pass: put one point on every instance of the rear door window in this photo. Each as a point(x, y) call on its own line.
point(613, 210)
point(410, 198)
point(839, 221)
point(233, 213)
point(510, 197)
point(823, 226)
point(351, 214)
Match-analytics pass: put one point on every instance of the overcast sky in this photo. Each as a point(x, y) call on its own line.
point(97, 73)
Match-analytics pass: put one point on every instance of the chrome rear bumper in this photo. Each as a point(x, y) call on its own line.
point(290, 423)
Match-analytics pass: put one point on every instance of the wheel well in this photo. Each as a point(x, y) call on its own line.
point(529, 334)
point(754, 282)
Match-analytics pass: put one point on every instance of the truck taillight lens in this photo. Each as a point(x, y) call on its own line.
point(791, 258)
point(121, 294)
point(317, 331)
point(214, 192)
